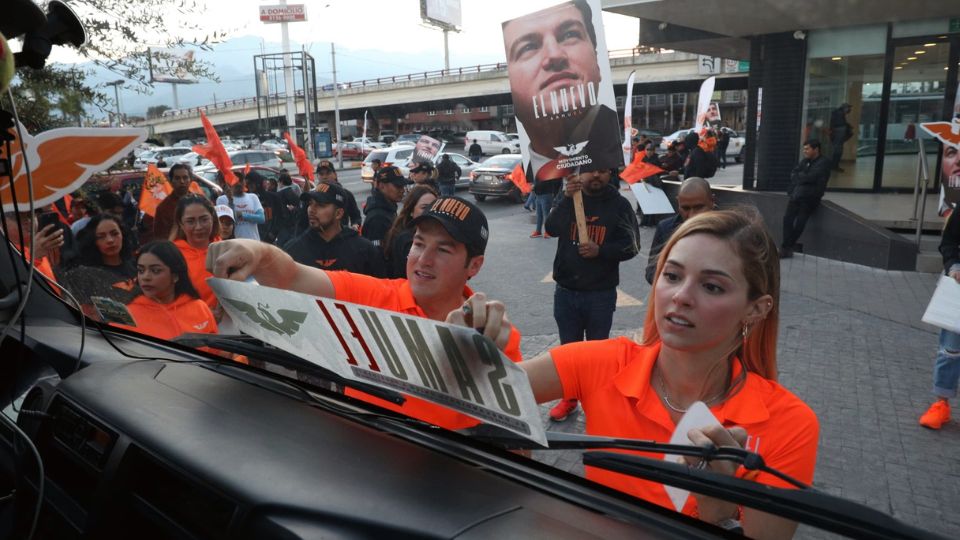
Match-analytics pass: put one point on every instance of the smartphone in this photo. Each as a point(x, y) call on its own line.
point(46, 218)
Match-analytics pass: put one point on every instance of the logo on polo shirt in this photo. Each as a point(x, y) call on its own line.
point(201, 326)
point(326, 263)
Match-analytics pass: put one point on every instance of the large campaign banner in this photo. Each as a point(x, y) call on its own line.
point(450, 365)
point(562, 90)
point(948, 133)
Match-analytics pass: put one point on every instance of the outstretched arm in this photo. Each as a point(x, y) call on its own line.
point(269, 265)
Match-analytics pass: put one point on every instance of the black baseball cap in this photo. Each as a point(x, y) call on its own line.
point(392, 175)
point(423, 166)
point(325, 194)
point(462, 219)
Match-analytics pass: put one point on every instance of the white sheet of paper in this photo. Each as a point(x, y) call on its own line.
point(652, 199)
point(698, 416)
point(944, 308)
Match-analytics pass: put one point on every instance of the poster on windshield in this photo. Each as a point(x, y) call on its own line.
point(562, 90)
point(449, 365)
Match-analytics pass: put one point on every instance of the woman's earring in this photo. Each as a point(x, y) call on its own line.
point(746, 331)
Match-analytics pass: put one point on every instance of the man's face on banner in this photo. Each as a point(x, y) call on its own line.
point(950, 167)
point(426, 148)
point(548, 51)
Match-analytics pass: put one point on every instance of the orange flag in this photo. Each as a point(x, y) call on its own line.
point(519, 179)
point(195, 189)
point(303, 164)
point(155, 189)
point(638, 170)
point(246, 170)
point(215, 152)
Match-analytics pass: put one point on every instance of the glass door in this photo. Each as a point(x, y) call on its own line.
point(918, 89)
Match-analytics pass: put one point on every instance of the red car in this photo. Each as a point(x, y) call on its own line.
point(353, 151)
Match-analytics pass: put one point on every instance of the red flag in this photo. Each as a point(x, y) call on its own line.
point(155, 189)
point(215, 152)
point(638, 170)
point(519, 179)
point(246, 170)
point(303, 164)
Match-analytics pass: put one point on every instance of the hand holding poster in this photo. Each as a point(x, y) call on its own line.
point(562, 90)
point(446, 364)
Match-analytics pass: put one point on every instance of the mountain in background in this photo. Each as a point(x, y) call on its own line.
point(233, 61)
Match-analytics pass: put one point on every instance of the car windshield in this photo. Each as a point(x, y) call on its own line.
point(822, 148)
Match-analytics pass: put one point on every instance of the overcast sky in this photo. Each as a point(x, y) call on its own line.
point(392, 26)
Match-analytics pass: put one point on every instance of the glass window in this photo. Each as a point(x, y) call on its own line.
point(917, 91)
point(484, 109)
point(842, 111)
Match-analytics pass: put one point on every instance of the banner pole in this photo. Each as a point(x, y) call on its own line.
point(582, 235)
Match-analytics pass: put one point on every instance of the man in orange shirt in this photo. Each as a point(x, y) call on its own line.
point(447, 251)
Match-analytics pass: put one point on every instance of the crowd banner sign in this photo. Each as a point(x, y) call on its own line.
point(450, 365)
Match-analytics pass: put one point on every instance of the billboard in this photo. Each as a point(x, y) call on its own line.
point(171, 65)
point(442, 13)
point(283, 13)
point(562, 90)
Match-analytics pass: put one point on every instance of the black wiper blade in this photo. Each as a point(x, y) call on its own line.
point(253, 348)
point(808, 506)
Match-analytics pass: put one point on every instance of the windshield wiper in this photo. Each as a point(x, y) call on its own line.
point(808, 506)
point(254, 348)
point(805, 505)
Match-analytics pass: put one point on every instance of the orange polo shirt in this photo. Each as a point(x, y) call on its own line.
point(197, 269)
point(611, 378)
point(395, 295)
point(167, 321)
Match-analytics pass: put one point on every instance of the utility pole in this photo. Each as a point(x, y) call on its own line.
point(288, 76)
point(116, 96)
point(446, 50)
point(336, 105)
point(307, 111)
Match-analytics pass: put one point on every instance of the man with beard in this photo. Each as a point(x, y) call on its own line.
point(381, 207)
point(327, 245)
point(587, 274)
point(551, 60)
point(164, 219)
point(327, 174)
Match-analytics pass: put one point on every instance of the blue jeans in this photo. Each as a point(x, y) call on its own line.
point(542, 203)
point(584, 314)
point(946, 369)
point(448, 190)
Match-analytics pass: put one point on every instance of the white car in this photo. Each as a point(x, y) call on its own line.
point(368, 142)
point(193, 159)
point(733, 148)
point(167, 154)
point(273, 144)
point(466, 167)
point(263, 158)
point(393, 155)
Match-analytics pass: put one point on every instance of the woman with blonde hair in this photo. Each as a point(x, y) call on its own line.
point(710, 336)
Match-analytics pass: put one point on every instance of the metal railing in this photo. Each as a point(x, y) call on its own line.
point(243, 103)
point(920, 191)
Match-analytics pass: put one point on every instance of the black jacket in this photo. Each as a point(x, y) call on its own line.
point(273, 209)
point(379, 215)
point(808, 181)
point(611, 223)
point(400, 246)
point(701, 164)
point(346, 251)
point(448, 171)
point(663, 233)
point(950, 242)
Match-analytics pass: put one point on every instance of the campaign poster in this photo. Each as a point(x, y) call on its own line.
point(562, 90)
point(425, 150)
point(948, 133)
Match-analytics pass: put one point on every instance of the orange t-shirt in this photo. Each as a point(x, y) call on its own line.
point(167, 321)
point(197, 269)
point(395, 295)
point(611, 378)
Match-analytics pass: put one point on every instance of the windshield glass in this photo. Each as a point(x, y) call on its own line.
point(802, 319)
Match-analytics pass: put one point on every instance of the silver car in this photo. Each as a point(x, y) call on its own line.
point(466, 167)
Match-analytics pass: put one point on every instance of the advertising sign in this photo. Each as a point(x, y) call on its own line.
point(442, 13)
point(562, 90)
point(281, 14)
point(171, 65)
point(453, 366)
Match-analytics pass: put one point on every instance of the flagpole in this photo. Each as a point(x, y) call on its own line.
point(580, 214)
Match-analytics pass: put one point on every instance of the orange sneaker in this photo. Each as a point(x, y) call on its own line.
point(937, 415)
point(562, 410)
point(547, 235)
point(535, 234)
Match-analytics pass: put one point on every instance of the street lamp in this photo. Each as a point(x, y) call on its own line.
point(116, 94)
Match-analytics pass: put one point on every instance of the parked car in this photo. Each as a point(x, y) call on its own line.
point(351, 150)
point(268, 173)
point(185, 143)
point(154, 156)
point(733, 148)
point(256, 157)
point(387, 136)
point(492, 142)
point(273, 144)
point(466, 165)
point(192, 159)
point(133, 180)
point(392, 155)
point(367, 142)
point(407, 138)
point(287, 162)
point(490, 179)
